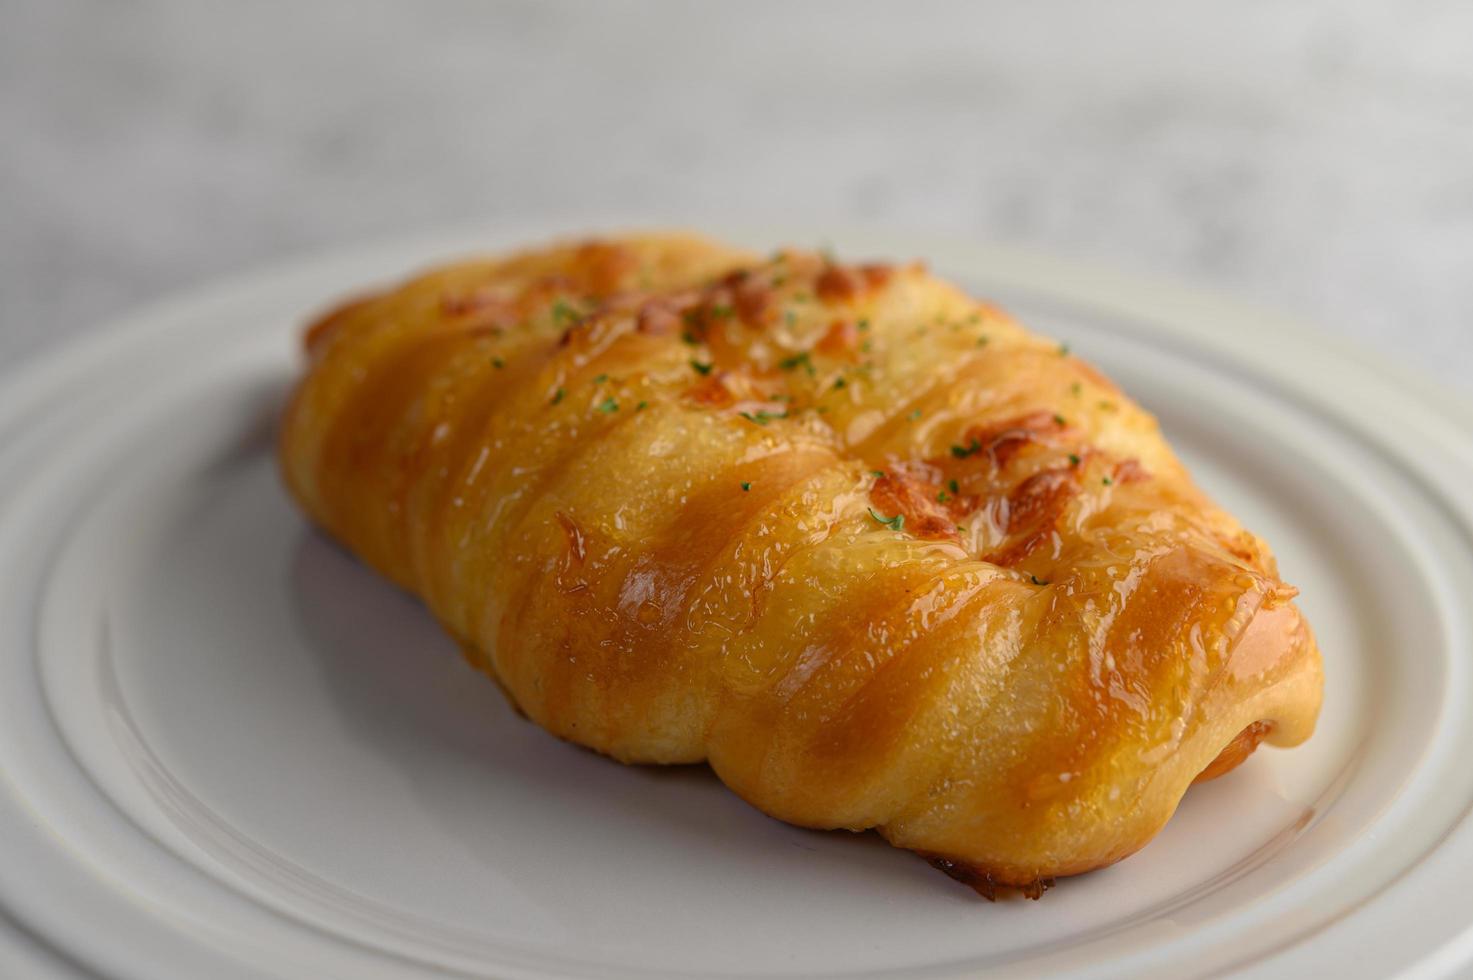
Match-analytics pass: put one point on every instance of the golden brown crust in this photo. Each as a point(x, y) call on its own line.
point(880, 556)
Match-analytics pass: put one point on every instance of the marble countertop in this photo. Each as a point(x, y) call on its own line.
point(1312, 157)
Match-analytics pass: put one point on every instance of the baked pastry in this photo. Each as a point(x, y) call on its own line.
point(877, 554)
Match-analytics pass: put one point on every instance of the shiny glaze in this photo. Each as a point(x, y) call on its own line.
point(880, 556)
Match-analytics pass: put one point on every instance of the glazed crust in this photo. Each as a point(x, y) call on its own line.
point(880, 556)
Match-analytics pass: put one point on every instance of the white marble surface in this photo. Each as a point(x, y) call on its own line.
point(1315, 157)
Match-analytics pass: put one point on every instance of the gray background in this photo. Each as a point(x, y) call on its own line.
point(1314, 157)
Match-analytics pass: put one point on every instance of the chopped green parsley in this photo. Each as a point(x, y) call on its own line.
point(971, 449)
point(894, 523)
point(797, 360)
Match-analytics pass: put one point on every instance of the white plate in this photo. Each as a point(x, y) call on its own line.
point(226, 749)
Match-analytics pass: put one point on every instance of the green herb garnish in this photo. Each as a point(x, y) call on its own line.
point(797, 360)
point(894, 523)
point(971, 449)
point(700, 367)
point(608, 405)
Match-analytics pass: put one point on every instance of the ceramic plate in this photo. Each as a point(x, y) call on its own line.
point(228, 750)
